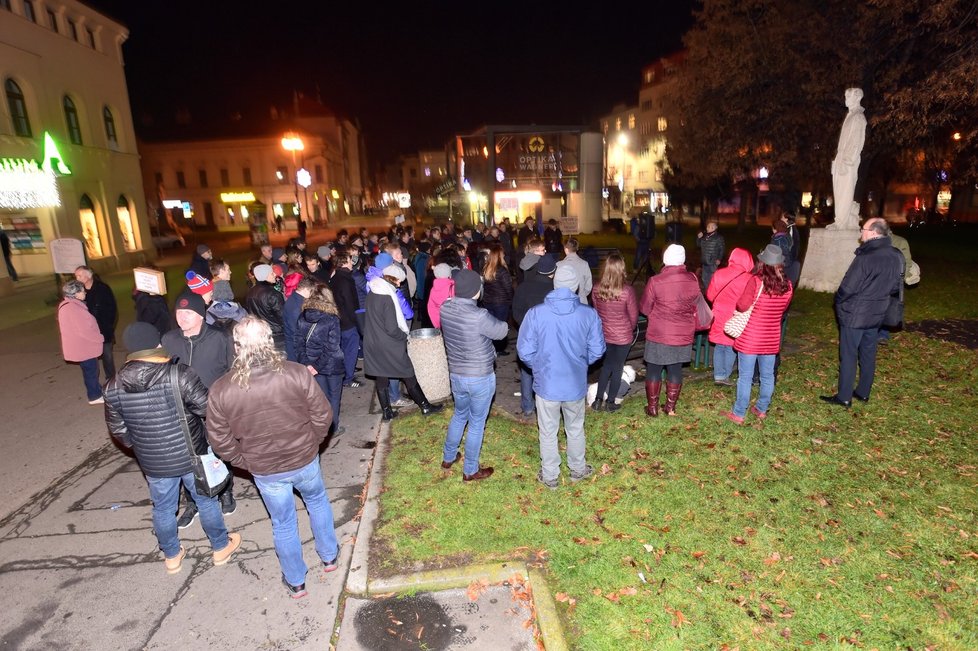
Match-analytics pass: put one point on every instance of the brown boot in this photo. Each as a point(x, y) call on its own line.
point(652, 390)
point(672, 397)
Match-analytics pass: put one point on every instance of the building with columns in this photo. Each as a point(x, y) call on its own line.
point(68, 161)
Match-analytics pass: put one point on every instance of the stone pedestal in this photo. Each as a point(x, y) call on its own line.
point(830, 252)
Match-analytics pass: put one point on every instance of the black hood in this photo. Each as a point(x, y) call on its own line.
point(138, 376)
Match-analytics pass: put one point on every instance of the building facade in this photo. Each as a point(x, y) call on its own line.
point(68, 161)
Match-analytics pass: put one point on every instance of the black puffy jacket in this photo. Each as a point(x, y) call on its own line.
point(266, 302)
point(872, 278)
point(499, 290)
point(141, 413)
point(321, 349)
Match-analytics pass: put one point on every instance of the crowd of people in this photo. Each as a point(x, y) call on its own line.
point(306, 319)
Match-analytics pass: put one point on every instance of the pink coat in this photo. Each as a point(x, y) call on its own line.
point(725, 288)
point(442, 290)
point(80, 337)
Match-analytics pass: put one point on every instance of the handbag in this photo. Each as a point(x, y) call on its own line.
point(734, 327)
point(704, 315)
point(894, 311)
point(210, 473)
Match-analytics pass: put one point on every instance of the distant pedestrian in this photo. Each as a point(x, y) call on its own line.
point(81, 341)
point(553, 239)
point(559, 339)
point(712, 249)
point(141, 414)
point(200, 263)
point(469, 331)
point(5, 248)
point(101, 303)
point(861, 302)
point(268, 417)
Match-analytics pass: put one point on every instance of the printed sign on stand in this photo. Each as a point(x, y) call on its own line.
point(150, 281)
point(67, 254)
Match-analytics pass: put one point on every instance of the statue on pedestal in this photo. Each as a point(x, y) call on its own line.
point(845, 167)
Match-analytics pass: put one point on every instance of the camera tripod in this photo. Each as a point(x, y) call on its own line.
point(645, 264)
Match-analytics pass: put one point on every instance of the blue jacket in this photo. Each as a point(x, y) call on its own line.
point(321, 348)
point(558, 340)
point(290, 316)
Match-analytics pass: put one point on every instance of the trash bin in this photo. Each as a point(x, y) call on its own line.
point(426, 348)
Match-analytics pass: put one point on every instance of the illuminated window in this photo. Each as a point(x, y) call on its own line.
point(181, 180)
point(282, 174)
point(631, 121)
point(617, 124)
point(125, 224)
point(29, 11)
point(202, 177)
point(53, 20)
point(427, 171)
point(71, 118)
point(110, 133)
point(663, 124)
point(246, 173)
point(18, 109)
point(89, 227)
point(225, 179)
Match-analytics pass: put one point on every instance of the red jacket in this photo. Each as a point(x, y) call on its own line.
point(618, 317)
point(725, 288)
point(669, 301)
point(762, 336)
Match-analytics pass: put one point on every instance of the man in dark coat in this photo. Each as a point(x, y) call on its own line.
point(347, 303)
point(140, 413)
point(538, 282)
point(873, 278)
point(553, 239)
point(200, 264)
point(5, 248)
point(266, 302)
point(101, 303)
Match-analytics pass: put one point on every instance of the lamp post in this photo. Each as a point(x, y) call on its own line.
point(622, 146)
point(293, 143)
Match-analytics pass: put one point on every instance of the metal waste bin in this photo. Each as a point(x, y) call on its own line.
point(426, 348)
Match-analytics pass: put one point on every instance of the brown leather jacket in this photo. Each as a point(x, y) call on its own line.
point(275, 425)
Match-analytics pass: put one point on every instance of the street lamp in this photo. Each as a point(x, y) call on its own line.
point(622, 146)
point(293, 143)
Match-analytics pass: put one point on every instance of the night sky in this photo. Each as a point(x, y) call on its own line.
point(412, 75)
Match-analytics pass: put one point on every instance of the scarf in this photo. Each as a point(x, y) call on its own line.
point(381, 286)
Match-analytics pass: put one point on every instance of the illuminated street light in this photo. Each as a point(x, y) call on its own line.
point(293, 143)
point(957, 135)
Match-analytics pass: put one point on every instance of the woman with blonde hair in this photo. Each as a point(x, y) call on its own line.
point(497, 290)
point(317, 346)
point(617, 305)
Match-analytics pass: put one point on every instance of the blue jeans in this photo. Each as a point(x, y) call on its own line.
point(473, 397)
point(332, 386)
point(745, 377)
point(723, 361)
point(350, 343)
point(526, 390)
point(165, 494)
point(394, 389)
point(276, 493)
point(90, 374)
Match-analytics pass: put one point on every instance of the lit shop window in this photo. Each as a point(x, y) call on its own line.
point(89, 227)
point(125, 224)
point(663, 124)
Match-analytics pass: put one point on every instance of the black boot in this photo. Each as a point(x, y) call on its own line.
point(428, 408)
point(417, 395)
point(385, 404)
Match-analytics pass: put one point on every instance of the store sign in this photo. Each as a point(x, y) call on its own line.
point(238, 197)
point(27, 183)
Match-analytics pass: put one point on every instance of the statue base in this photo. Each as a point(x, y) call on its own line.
point(829, 254)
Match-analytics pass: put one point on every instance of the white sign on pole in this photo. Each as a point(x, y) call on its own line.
point(67, 254)
point(569, 225)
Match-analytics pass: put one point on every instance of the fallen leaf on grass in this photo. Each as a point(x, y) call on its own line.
point(564, 598)
point(605, 469)
point(772, 559)
point(698, 555)
point(972, 555)
point(737, 540)
point(678, 619)
point(650, 549)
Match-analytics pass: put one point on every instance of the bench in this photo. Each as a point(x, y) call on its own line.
point(596, 255)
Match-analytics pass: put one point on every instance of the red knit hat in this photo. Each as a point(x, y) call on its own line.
point(198, 284)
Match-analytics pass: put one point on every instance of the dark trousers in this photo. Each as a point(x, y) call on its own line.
point(501, 312)
point(610, 376)
point(350, 343)
point(413, 389)
point(10, 268)
point(674, 372)
point(108, 361)
point(332, 386)
point(857, 344)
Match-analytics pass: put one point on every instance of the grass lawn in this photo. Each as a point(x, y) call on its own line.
point(820, 528)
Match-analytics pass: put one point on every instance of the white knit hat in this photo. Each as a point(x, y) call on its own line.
point(674, 256)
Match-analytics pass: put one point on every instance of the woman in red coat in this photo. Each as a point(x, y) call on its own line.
point(725, 288)
point(770, 291)
point(615, 301)
point(669, 302)
point(81, 340)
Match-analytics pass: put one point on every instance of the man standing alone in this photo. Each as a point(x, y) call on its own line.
point(558, 340)
point(468, 331)
point(711, 245)
point(860, 305)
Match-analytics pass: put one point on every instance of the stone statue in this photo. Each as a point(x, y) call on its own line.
point(845, 167)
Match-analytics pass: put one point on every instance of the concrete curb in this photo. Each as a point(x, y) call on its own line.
point(548, 620)
point(356, 580)
point(456, 577)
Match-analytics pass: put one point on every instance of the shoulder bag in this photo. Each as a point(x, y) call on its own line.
point(894, 311)
point(210, 473)
point(734, 327)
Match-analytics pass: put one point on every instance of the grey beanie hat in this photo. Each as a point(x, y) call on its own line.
point(222, 291)
point(771, 255)
point(442, 270)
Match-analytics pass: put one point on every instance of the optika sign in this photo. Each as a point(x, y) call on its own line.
point(539, 163)
point(26, 183)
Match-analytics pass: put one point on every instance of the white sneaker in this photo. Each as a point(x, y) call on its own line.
point(98, 401)
point(400, 403)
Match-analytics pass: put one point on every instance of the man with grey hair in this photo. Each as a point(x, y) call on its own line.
point(580, 266)
point(101, 303)
point(861, 302)
point(558, 340)
point(269, 417)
